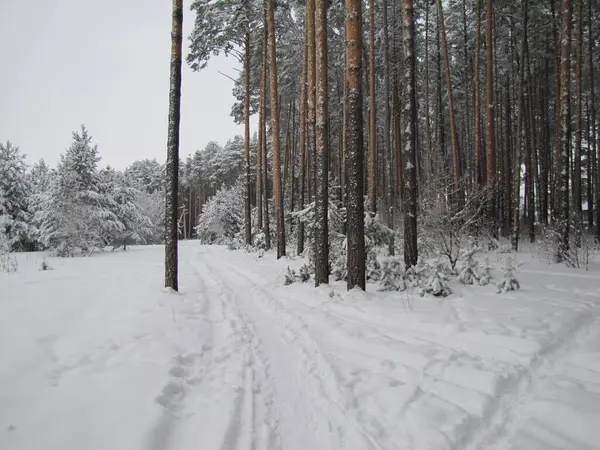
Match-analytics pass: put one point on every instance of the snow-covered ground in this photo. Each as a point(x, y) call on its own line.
point(96, 355)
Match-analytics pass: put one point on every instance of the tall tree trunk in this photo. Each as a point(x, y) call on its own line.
point(311, 73)
point(354, 145)
point(563, 163)
point(275, 130)
point(577, 197)
point(594, 176)
point(322, 147)
point(428, 146)
point(263, 131)
point(479, 159)
point(247, 216)
point(387, 147)
point(303, 108)
point(520, 135)
point(259, 156)
point(410, 138)
point(491, 124)
point(372, 113)
point(454, 141)
point(172, 194)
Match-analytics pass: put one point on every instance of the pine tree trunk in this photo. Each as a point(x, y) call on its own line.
point(172, 194)
point(387, 147)
point(247, 216)
point(563, 162)
point(263, 130)
point(491, 131)
point(303, 108)
point(595, 158)
point(454, 141)
point(311, 74)
point(322, 147)
point(354, 146)
point(577, 196)
point(372, 113)
point(275, 130)
point(259, 156)
point(428, 145)
point(479, 159)
point(410, 138)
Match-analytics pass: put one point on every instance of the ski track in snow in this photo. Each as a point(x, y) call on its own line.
point(236, 361)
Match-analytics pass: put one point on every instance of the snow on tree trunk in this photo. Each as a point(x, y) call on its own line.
point(565, 129)
point(173, 149)
point(275, 130)
point(410, 138)
point(303, 112)
point(247, 216)
point(491, 124)
point(263, 132)
point(372, 113)
point(322, 147)
point(354, 146)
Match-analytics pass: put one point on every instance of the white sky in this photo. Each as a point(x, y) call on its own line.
point(104, 63)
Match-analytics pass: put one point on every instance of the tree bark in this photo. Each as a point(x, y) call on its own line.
point(311, 74)
point(454, 141)
point(354, 145)
point(410, 138)
point(577, 197)
point(372, 113)
point(247, 216)
point(322, 147)
point(491, 125)
point(563, 163)
point(172, 194)
point(275, 130)
point(303, 108)
point(263, 132)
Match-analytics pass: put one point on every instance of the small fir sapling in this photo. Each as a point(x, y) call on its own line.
point(509, 281)
point(437, 280)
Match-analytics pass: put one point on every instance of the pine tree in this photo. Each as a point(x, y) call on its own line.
point(14, 192)
point(322, 146)
point(410, 138)
point(171, 263)
point(275, 130)
point(354, 145)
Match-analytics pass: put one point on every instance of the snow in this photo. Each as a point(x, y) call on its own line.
point(97, 355)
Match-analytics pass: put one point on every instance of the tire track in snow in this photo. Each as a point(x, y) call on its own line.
point(502, 413)
point(254, 401)
point(319, 372)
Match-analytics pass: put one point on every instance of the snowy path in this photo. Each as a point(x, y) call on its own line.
point(95, 356)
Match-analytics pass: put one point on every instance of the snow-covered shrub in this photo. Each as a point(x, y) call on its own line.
point(508, 282)
point(45, 266)
point(393, 277)
point(304, 273)
point(222, 217)
point(486, 272)
point(8, 264)
point(469, 269)
point(446, 225)
point(436, 280)
point(377, 239)
point(290, 276)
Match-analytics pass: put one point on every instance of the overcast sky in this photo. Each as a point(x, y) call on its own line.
point(104, 64)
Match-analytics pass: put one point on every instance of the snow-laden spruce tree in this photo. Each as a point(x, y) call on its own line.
point(119, 197)
point(75, 213)
point(14, 193)
point(222, 217)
